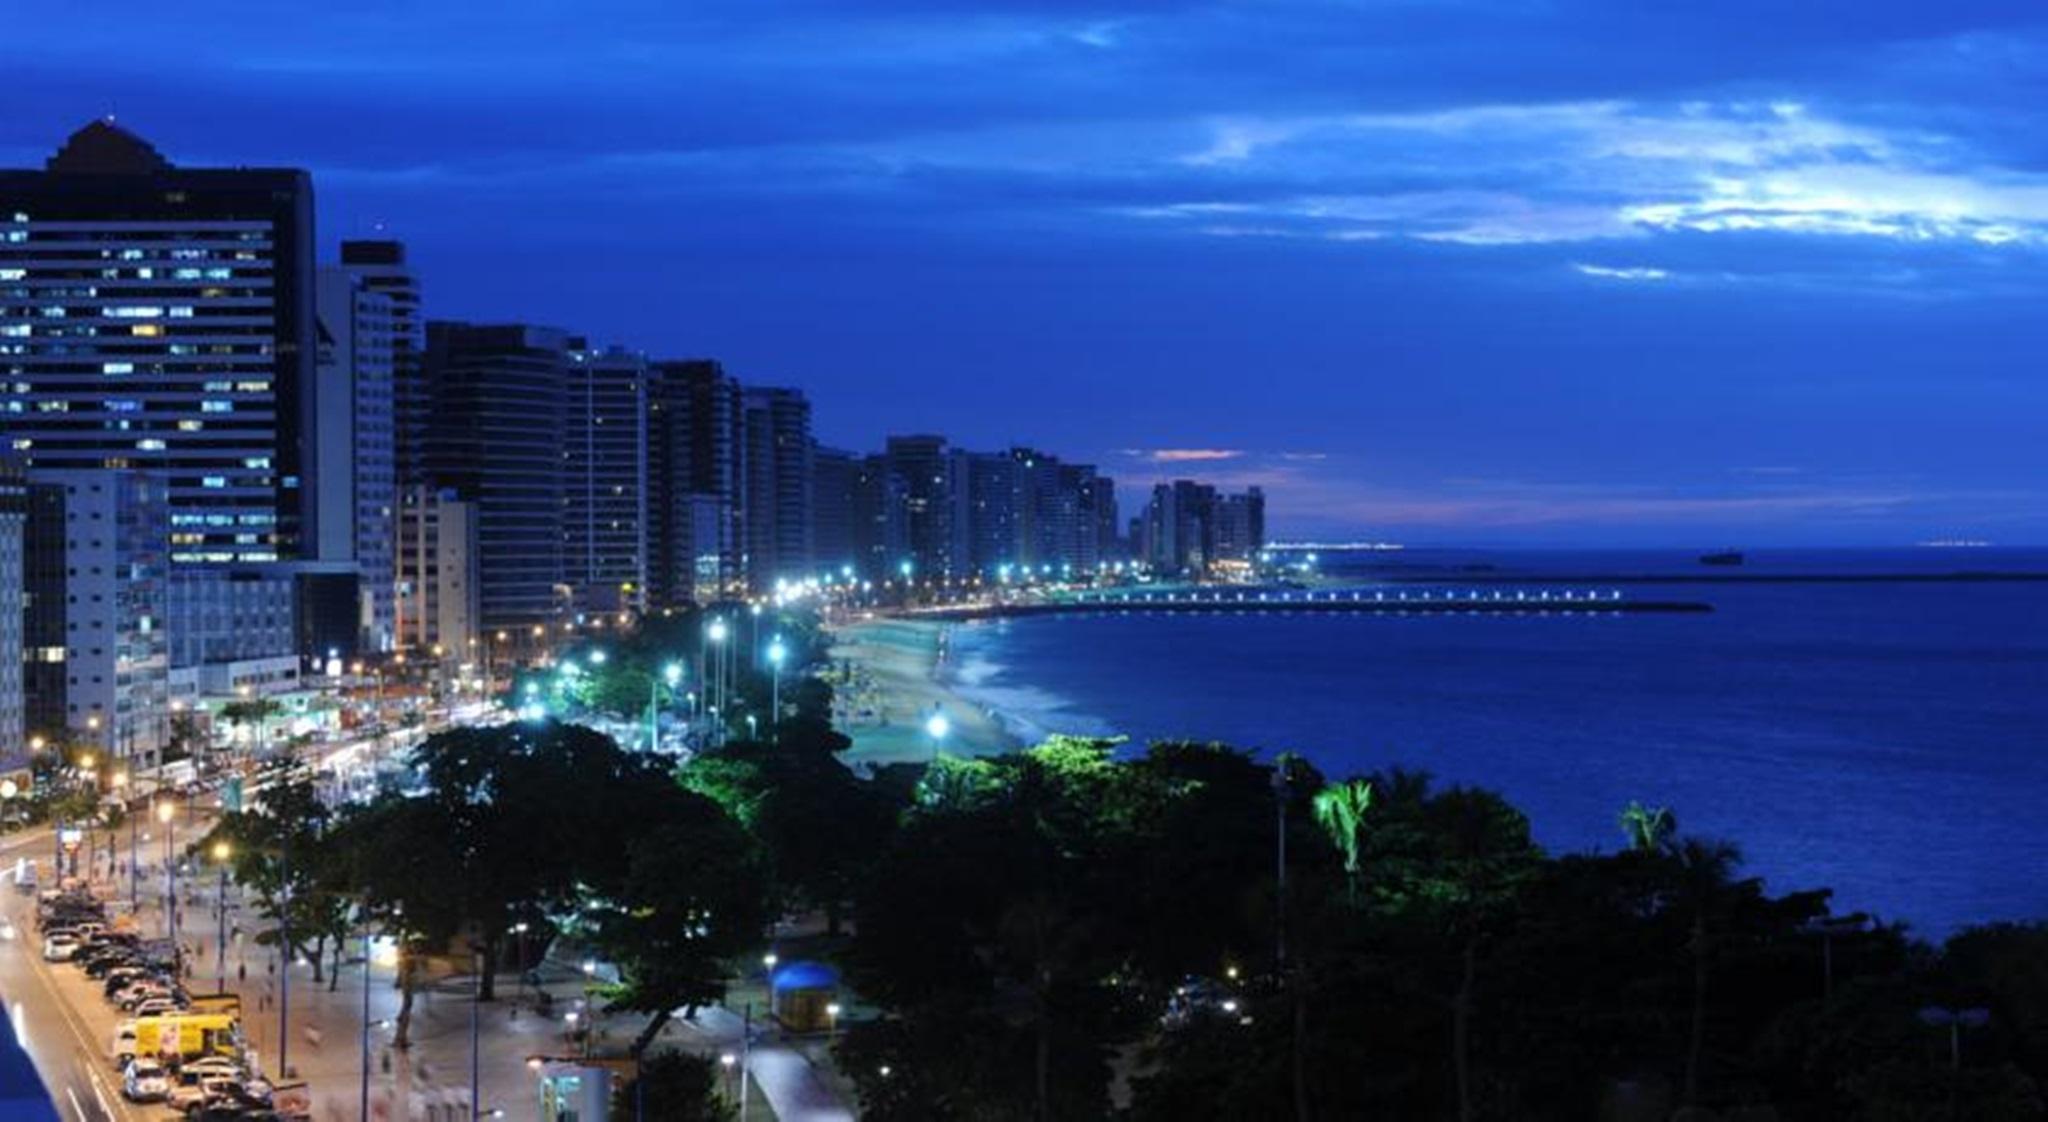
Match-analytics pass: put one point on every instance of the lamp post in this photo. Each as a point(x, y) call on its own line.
point(134, 874)
point(167, 816)
point(221, 852)
point(776, 654)
point(673, 675)
point(717, 635)
point(937, 726)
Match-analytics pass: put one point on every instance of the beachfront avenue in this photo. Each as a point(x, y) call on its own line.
point(655, 857)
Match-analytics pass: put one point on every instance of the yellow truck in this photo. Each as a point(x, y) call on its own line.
point(184, 1035)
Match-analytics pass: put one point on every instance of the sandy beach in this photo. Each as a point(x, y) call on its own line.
point(896, 668)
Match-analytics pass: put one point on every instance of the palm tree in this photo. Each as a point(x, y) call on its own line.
point(1648, 828)
point(1706, 871)
point(1340, 810)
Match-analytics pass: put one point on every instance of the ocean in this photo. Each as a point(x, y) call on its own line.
point(1885, 739)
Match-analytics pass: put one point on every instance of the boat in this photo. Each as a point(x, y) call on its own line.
point(1725, 557)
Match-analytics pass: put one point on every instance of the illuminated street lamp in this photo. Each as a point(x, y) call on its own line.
point(221, 852)
point(776, 654)
point(937, 726)
point(167, 815)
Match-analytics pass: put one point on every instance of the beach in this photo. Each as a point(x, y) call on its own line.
point(887, 675)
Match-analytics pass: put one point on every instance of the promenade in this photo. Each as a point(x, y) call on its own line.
point(303, 1029)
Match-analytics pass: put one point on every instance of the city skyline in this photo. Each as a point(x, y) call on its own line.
point(1461, 274)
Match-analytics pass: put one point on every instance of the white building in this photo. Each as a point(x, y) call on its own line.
point(96, 661)
point(355, 473)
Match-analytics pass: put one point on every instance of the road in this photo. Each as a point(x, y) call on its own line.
point(66, 1039)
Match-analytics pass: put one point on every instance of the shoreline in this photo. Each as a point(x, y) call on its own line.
point(897, 669)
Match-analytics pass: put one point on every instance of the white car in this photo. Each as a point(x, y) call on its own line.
point(213, 1067)
point(60, 947)
point(145, 1081)
point(158, 1006)
point(194, 1088)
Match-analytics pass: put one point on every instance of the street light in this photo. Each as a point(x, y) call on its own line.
point(221, 852)
point(776, 653)
point(134, 874)
point(167, 815)
point(1955, 1021)
point(937, 726)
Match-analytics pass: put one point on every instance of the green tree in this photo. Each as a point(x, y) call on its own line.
point(1341, 810)
point(1647, 828)
point(672, 1086)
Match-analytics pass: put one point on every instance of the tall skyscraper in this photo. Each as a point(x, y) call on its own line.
point(604, 487)
point(921, 477)
point(161, 318)
point(1240, 525)
point(835, 475)
point(439, 587)
point(354, 478)
point(94, 572)
point(1179, 526)
point(13, 524)
point(992, 533)
point(694, 482)
point(382, 267)
point(776, 504)
point(500, 395)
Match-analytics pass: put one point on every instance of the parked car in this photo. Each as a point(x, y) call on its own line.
point(159, 1005)
point(59, 947)
point(191, 1089)
point(145, 1081)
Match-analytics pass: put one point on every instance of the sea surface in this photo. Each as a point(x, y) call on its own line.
point(1887, 739)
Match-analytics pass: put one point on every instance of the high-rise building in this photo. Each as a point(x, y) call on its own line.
point(94, 569)
point(879, 539)
point(161, 318)
point(1188, 527)
point(1179, 526)
point(922, 476)
point(990, 528)
point(835, 475)
point(694, 482)
point(497, 441)
point(776, 499)
point(382, 267)
point(438, 583)
point(13, 519)
point(1240, 526)
point(604, 485)
point(354, 477)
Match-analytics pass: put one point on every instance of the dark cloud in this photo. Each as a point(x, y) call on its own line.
point(1548, 242)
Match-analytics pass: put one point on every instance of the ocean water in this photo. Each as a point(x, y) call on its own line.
point(1886, 739)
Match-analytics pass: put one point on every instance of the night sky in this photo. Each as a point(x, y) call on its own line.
point(1509, 271)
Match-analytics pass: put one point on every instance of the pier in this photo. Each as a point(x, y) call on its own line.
point(1456, 601)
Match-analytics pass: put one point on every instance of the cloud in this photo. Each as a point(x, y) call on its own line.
point(1616, 169)
point(1630, 272)
point(1184, 455)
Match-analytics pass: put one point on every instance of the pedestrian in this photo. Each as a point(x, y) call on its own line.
point(242, 971)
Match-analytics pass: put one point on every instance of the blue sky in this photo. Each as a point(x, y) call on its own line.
point(1502, 271)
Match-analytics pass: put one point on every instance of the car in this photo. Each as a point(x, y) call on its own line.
point(7, 931)
point(132, 1000)
point(100, 966)
point(214, 1065)
point(191, 1089)
point(121, 977)
point(139, 992)
point(145, 1081)
point(160, 1005)
point(59, 947)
